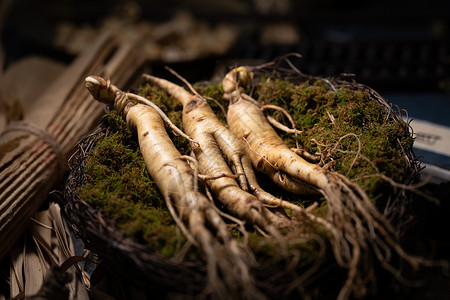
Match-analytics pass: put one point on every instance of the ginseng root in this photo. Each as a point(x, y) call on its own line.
point(361, 229)
point(177, 182)
point(219, 149)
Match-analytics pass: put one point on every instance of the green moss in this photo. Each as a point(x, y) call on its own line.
point(326, 116)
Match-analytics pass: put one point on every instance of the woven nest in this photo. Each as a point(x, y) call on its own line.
point(149, 271)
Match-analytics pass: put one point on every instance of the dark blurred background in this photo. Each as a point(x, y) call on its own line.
point(389, 45)
point(399, 48)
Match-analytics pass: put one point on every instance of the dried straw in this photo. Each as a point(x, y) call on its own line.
point(47, 244)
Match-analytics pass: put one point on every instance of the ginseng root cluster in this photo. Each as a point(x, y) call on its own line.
point(217, 194)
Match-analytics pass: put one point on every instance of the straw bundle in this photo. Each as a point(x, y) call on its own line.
point(33, 272)
point(34, 151)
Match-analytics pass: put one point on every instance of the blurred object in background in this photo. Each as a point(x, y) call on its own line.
point(181, 38)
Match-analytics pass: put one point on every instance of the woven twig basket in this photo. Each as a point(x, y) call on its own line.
point(149, 271)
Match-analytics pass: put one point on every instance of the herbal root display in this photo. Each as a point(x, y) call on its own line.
point(261, 209)
point(221, 156)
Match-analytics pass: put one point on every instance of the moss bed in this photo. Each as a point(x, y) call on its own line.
point(348, 127)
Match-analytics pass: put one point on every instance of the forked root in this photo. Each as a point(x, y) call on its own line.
point(221, 155)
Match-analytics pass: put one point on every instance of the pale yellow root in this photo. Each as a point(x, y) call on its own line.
point(357, 225)
point(216, 142)
point(228, 273)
